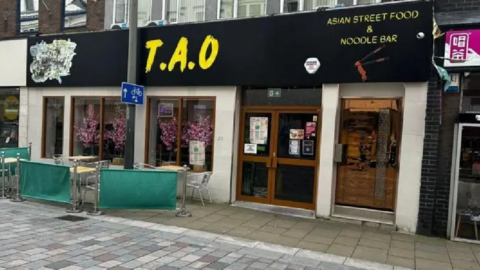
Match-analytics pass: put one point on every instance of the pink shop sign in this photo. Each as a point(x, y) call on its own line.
point(462, 48)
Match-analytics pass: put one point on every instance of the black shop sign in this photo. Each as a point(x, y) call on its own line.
point(376, 43)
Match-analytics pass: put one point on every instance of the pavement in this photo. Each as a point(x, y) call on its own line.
point(335, 238)
point(39, 236)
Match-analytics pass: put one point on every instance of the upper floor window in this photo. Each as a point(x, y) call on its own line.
point(121, 11)
point(74, 13)
point(241, 8)
point(28, 16)
point(299, 5)
point(183, 11)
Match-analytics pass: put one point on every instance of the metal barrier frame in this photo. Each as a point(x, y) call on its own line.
point(183, 210)
point(75, 206)
point(96, 211)
point(17, 197)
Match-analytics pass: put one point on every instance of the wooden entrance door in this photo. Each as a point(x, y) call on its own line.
point(370, 131)
point(278, 157)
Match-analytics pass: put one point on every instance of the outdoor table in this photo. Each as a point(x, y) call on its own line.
point(81, 169)
point(82, 158)
point(12, 160)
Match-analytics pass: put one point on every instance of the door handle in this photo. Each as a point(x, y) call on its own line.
point(274, 162)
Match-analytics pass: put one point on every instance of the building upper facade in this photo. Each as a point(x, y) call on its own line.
point(188, 11)
point(28, 17)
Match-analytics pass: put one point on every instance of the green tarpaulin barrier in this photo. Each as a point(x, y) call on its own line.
point(12, 153)
point(45, 181)
point(138, 189)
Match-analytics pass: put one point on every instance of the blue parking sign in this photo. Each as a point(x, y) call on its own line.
point(132, 93)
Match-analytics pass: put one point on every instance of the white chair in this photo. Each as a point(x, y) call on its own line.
point(199, 182)
point(58, 159)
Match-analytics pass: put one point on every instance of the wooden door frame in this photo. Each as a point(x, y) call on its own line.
point(400, 108)
point(275, 112)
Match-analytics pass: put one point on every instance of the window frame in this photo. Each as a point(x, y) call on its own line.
point(125, 19)
point(64, 16)
point(18, 27)
point(301, 5)
point(101, 122)
point(165, 12)
point(44, 122)
point(180, 100)
point(235, 9)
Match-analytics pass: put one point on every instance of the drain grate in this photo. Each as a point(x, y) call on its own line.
point(71, 218)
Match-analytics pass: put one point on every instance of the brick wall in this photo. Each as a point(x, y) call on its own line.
point(456, 5)
point(437, 159)
point(8, 18)
point(50, 17)
point(430, 160)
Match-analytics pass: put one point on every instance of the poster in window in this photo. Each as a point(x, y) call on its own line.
point(258, 130)
point(250, 148)
point(294, 147)
point(310, 128)
point(308, 148)
point(165, 109)
point(200, 110)
point(197, 153)
point(297, 134)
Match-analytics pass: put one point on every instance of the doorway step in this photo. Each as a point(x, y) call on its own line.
point(275, 209)
point(365, 217)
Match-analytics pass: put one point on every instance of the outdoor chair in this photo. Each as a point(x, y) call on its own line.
point(199, 182)
point(90, 179)
point(58, 159)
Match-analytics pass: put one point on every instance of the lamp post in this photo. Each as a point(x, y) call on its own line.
point(131, 78)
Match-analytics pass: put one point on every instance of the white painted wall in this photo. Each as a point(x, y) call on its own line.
point(224, 115)
point(13, 67)
point(408, 191)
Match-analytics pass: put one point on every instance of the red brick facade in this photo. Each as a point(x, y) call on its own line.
point(50, 17)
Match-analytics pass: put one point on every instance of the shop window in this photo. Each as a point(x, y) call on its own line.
point(121, 11)
point(53, 117)
point(9, 115)
point(183, 11)
point(99, 128)
point(471, 93)
point(291, 6)
point(28, 16)
point(181, 132)
point(74, 13)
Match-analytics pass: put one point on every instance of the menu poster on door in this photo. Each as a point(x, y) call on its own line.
point(258, 130)
point(294, 147)
point(307, 148)
point(197, 153)
point(310, 128)
point(297, 134)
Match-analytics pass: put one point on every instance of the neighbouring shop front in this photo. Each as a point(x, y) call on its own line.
point(463, 49)
point(13, 131)
point(311, 121)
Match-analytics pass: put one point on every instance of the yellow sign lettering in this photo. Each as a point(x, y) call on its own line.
point(405, 15)
point(388, 39)
point(203, 61)
point(152, 46)
point(180, 55)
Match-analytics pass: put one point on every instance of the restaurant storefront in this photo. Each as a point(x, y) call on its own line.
point(463, 49)
point(330, 122)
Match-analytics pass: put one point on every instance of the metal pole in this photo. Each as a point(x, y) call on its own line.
point(183, 211)
point(29, 151)
point(132, 78)
point(17, 197)
point(3, 177)
point(74, 196)
point(96, 211)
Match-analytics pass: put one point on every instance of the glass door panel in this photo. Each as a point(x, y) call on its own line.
point(297, 133)
point(294, 158)
point(255, 156)
point(467, 209)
